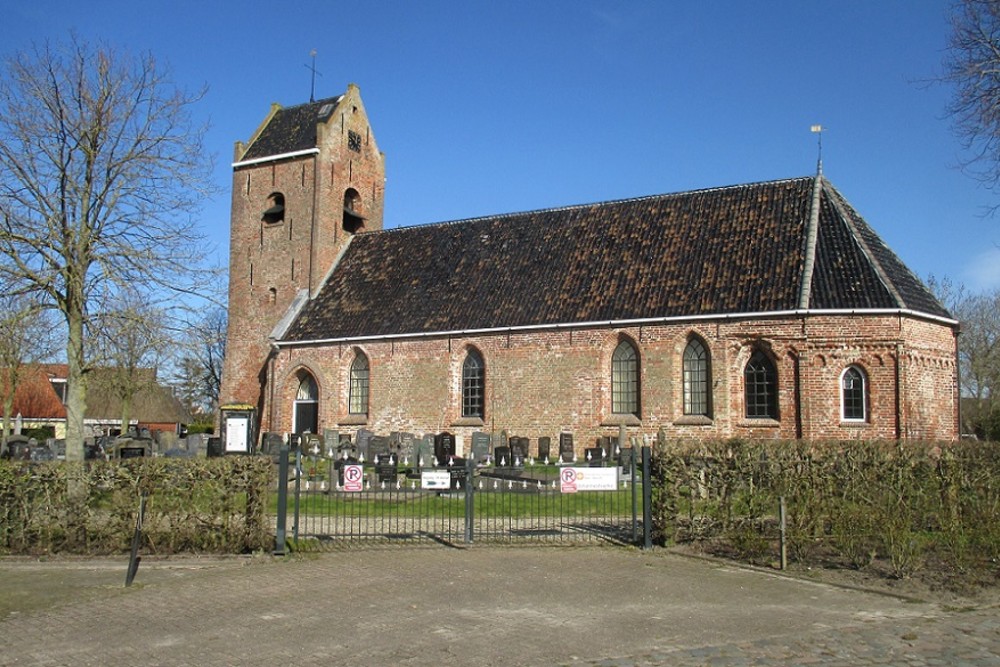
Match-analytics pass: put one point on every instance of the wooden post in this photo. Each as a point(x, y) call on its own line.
point(784, 541)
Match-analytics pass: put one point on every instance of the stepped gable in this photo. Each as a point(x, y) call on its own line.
point(720, 251)
point(290, 129)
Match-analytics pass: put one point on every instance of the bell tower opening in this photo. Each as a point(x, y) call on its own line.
point(354, 221)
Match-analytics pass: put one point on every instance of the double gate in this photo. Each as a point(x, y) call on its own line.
point(325, 502)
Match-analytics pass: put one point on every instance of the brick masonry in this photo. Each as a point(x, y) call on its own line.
point(541, 383)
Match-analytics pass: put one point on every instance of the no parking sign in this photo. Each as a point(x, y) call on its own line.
point(354, 477)
point(568, 478)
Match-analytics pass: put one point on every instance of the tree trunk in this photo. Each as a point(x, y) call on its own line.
point(76, 387)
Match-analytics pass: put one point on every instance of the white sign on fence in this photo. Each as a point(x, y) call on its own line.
point(354, 478)
point(435, 479)
point(589, 479)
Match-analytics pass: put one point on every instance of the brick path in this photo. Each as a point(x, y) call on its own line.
point(487, 606)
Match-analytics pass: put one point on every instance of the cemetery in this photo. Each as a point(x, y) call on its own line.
point(363, 486)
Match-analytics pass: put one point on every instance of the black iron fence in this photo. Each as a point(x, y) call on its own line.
point(325, 501)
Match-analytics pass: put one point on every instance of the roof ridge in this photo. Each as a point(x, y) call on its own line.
point(573, 207)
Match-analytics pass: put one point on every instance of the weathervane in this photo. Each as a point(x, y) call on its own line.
point(818, 131)
point(312, 68)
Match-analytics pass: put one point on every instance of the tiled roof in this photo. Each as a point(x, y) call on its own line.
point(291, 129)
point(731, 250)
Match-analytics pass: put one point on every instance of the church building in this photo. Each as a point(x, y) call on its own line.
point(761, 310)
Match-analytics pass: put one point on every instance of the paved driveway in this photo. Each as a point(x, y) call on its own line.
point(478, 606)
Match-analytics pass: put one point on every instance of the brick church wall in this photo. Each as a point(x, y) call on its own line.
point(543, 382)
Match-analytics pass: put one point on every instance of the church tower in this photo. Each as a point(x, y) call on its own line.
point(308, 180)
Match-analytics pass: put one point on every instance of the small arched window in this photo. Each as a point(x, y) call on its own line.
point(625, 380)
point(306, 406)
point(697, 379)
point(473, 386)
point(353, 218)
point(275, 211)
point(358, 400)
point(853, 395)
point(760, 380)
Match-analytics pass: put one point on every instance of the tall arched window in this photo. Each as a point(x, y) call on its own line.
point(625, 380)
point(697, 379)
point(358, 399)
point(306, 406)
point(853, 394)
point(354, 221)
point(473, 385)
point(760, 381)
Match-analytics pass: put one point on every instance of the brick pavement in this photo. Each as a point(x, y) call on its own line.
point(490, 606)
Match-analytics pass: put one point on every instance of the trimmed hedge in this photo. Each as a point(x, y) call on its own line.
point(847, 503)
point(214, 505)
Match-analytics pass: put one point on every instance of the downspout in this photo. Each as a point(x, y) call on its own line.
point(270, 384)
point(958, 386)
point(899, 391)
point(312, 222)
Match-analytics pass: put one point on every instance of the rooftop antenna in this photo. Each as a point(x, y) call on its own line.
point(312, 68)
point(818, 130)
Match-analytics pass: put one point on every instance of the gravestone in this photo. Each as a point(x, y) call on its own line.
point(386, 471)
point(312, 444)
point(566, 452)
point(544, 445)
point(425, 451)
point(272, 445)
point(481, 447)
point(518, 451)
point(594, 457)
point(605, 443)
point(407, 447)
point(363, 442)
point(379, 448)
point(331, 440)
point(626, 459)
point(444, 448)
point(501, 457)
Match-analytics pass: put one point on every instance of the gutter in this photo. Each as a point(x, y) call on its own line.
point(275, 158)
point(620, 323)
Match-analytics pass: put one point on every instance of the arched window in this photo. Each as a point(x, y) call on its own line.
point(760, 381)
point(353, 219)
point(306, 406)
point(853, 394)
point(473, 385)
point(275, 211)
point(358, 400)
point(697, 379)
point(625, 380)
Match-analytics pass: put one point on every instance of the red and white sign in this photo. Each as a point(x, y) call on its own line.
point(589, 479)
point(568, 478)
point(354, 478)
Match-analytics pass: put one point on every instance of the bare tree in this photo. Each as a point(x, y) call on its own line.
point(26, 338)
point(978, 354)
point(199, 373)
point(101, 170)
point(973, 67)
point(130, 341)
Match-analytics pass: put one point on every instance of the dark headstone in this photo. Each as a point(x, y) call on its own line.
point(594, 456)
point(379, 447)
point(480, 447)
point(444, 448)
point(518, 451)
point(385, 470)
point(271, 445)
point(501, 457)
point(215, 446)
point(425, 451)
point(544, 445)
point(407, 447)
point(626, 459)
point(566, 452)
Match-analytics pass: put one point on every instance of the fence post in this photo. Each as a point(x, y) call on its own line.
point(635, 497)
point(298, 491)
point(134, 558)
point(647, 500)
point(784, 540)
point(279, 537)
point(470, 507)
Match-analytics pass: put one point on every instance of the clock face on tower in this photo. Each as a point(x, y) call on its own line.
point(354, 141)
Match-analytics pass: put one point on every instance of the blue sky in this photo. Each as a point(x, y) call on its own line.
point(493, 107)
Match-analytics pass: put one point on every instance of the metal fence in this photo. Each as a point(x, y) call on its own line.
point(325, 502)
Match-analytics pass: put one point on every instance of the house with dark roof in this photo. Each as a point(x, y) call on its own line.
point(762, 310)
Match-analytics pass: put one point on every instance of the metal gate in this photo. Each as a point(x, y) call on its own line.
point(325, 502)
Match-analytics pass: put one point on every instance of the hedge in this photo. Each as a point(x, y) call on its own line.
point(216, 505)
